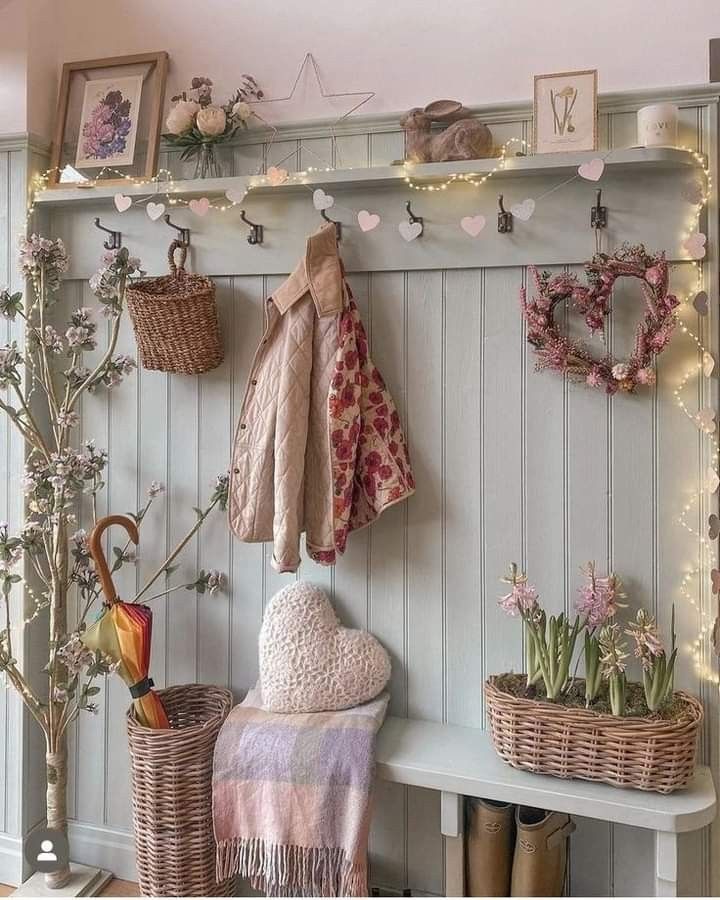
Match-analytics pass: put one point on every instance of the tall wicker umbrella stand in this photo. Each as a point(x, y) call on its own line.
point(172, 794)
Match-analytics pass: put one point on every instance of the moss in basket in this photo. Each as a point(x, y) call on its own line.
point(574, 698)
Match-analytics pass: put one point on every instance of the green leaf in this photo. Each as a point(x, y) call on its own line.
point(91, 691)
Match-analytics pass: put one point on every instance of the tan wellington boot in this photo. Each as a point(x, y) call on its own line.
point(540, 852)
point(490, 837)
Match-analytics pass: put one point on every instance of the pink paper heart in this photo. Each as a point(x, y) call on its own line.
point(592, 170)
point(321, 200)
point(200, 207)
point(367, 220)
point(705, 419)
point(155, 210)
point(276, 176)
point(410, 230)
point(472, 225)
point(236, 195)
point(523, 210)
point(695, 244)
point(122, 202)
point(700, 302)
point(712, 481)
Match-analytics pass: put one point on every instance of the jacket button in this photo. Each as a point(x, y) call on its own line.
point(242, 427)
point(236, 471)
point(253, 382)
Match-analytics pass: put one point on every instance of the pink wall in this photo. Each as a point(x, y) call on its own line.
point(409, 51)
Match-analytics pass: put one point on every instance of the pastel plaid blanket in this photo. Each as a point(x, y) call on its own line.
point(292, 798)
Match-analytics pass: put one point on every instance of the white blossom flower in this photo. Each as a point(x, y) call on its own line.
point(156, 488)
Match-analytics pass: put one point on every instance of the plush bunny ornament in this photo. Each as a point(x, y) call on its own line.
point(464, 138)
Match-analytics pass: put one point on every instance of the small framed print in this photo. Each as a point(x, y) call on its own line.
point(109, 117)
point(565, 112)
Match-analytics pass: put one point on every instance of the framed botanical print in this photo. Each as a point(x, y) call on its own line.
point(565, 112)
point(109, 117)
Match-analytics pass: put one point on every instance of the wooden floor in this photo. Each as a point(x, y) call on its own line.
point(116, 888)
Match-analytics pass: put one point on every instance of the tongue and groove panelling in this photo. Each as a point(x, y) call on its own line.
point(510, 465)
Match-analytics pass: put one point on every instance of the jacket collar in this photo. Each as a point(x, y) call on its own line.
point(320, 273)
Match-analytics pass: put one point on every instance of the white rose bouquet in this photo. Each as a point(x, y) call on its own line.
point(196, 124)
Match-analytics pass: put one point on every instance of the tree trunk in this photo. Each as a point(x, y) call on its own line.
point(56, 770)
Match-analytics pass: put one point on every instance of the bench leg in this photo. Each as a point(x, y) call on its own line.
point(666, 864)
point(451, 826)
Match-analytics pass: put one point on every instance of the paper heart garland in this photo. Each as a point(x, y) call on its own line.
point(705, 419)
point(700, 302)
point(321, 200)
point(708, 364)
point(200, 207)
point(309, 662)
point(472, 225)
point(713, 527)
point(592, 170)
point(523, 210)
point(277, 176)
point(236, 195)
point(122, 202)
point(410, 230)
point(155, 210)
point(367, 220)
point(695, 244)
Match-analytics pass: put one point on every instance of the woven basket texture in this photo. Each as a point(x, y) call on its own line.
point(175, 320)
point(651, 754)
point(171, 773)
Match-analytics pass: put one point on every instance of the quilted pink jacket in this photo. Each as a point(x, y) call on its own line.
point(319, 447)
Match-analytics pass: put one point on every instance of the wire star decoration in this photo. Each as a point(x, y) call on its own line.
point(309, 68)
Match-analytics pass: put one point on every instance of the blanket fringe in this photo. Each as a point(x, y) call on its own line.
point(286, 871)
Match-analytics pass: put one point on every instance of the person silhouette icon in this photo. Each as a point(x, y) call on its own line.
point(47, 854)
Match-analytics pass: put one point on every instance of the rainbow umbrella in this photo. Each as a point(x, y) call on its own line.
point(123, 632)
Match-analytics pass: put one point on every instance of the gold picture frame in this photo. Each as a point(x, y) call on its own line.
point(143, 76)
point(565, 112)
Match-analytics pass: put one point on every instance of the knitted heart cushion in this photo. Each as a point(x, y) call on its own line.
point(309, 662)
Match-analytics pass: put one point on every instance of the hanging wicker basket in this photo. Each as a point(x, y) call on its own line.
point(175, 319)
point(171, 773)
point(652, 753)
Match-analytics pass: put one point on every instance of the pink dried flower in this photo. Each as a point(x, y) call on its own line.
point(523, 597)
point(645, 376)
point(598, 599)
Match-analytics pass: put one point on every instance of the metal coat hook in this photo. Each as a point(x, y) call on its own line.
point(256, 231)
point(114, 242)
point(505, 218)
point(598, 213)
point(338, 225)
point(183, 232)
point(412, 218)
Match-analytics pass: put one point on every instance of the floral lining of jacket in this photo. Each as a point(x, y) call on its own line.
point(370, 461)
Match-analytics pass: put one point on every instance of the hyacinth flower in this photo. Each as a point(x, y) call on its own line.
point(658, 670)
point(612, 665)
point(523, 601)
point(551, 641)
point(598, 602)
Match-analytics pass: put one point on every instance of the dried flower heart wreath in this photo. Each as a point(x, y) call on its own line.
point(556, 351)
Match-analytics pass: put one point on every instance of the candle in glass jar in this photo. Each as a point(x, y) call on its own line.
point(658, 125)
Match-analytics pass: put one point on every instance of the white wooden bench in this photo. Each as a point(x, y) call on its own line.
point(461, 762)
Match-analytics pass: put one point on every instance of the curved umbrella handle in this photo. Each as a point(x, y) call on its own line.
point(96, 551)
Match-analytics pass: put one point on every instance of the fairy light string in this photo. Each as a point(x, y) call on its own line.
point(164, 185)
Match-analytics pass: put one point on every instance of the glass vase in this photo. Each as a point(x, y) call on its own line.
point(207, 165)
